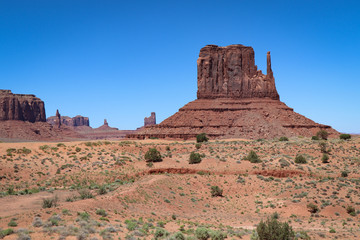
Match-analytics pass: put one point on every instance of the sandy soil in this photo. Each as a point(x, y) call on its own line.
point(106, 190)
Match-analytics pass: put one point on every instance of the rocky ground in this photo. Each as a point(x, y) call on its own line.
point(106, 190)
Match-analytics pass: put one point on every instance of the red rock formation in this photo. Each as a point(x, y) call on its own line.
point(230, 72)
point(58, 118)
point(76, 121)
point(235, 100)
point(23, 107)
point(148, 121)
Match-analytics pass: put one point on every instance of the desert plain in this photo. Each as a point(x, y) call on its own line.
point(106, 189)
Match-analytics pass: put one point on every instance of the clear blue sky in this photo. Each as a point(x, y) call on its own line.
point(121, 60)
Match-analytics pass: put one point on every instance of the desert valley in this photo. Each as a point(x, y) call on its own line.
point(232, 160)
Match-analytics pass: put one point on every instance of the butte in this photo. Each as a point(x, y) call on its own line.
point(234, 100)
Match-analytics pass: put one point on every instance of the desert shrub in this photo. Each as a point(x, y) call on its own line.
point(84, 216)
point(167, 148)
point(102, 190)
point(24, 150)
point(160, 233)
point(312, 208)
point(345, 136)
point(283, 139)
point(153, 155)
point(202, 233)
point(322, 134)
point(284, 163)
point(344, 174)
point(77, 149)
point(252, 157)
point(272, 229)
point(216, 191)
point(44, 147)
point(194, 158)
point(177, 236)
point(202, 138)
point(6, 232)
point(300, 159)
point(325, 158)
point(60, 145)
point(198, 145)
point(217, 235)
point(50, 202)
point(351, 210)
point(323, 147)
point(12, 223)
point(85, 193)
point(315, 138)
point(101, 212)
point(37, 222)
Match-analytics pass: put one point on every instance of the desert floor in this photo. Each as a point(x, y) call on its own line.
point(106, 189)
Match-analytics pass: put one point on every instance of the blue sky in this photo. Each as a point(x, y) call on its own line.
point(121, 60)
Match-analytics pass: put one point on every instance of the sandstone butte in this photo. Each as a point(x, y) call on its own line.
point(22, 117)
point(234, 100)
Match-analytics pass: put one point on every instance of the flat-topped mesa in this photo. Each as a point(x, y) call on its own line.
point(23, 107)
point(230, 72)
point(76, 121)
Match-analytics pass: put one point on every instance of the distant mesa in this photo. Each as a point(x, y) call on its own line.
point(234, 100)
point(22, 107)
point(149, 121)
point(76, 121)
point(22, 117)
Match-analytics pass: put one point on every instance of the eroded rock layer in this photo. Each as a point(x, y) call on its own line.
point(22, 107)
point(229, 118)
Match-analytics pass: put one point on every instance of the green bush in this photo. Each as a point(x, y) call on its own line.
point(153, 155)
point(325, 158)
point(160, 233)
point(194, 158)
point(300, 159)
point(344, 174)
point(349, 209)
point(315, 138)
point(6, 232)
point(345, 136)
point(252, 157)
point(323, 147)
point(177, 236)
point(202, 138)
point(202, 233)
point(50, 202)
point(12, 223)
point(102, 190)
point(272, 229)
point(85, 193)
point(216, 191)
point(322, 134)
point(283, 139)
point(217, 235)
point(312, 208)
point(101, 212)
point(198, 145)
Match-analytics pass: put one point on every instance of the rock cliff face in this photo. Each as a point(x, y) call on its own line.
point(76, 121)
point(235, 100)
point(230, 72)
point(23, 107)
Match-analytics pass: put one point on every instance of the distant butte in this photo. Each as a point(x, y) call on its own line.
point(234, 100)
